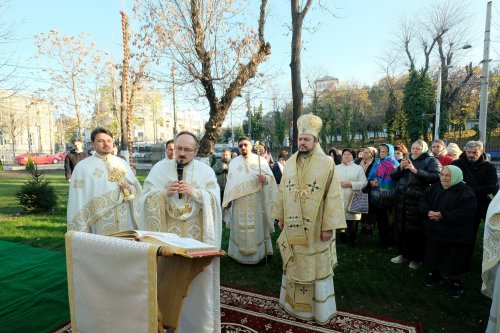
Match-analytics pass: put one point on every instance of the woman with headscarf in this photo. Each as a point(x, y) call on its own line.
point(491, 262)
point(414, 175)
point(448, 209)
point(352, 178)
point(367, 161)
point(382, 192)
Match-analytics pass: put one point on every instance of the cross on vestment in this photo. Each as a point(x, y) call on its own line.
point(181, 211)
point(186, 208)
point(313, 186)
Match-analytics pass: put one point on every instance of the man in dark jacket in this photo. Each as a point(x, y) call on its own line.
point(221, 168)
point(480, 175)
point(74, 156)
point(278, 168)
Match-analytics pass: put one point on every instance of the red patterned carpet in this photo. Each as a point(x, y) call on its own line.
point(247, 312)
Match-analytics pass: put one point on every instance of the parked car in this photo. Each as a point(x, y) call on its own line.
point(39, 158)
point(62, 155)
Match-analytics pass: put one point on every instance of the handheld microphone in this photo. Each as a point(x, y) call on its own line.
point(180, 171)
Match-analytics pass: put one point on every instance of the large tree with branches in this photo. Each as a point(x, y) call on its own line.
point(440, 31)
point(71, 63)
point(211, 46)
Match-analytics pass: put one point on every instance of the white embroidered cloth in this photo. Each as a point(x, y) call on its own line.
point(111, 284)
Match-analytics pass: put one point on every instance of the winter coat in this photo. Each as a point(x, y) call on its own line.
point(411, 187)
point(482, 177)
point(457, 205)
point(382, 169)
point(221, 169)
point(277, 172)
point(355, 174)
point(71, 160)
point(367, 188)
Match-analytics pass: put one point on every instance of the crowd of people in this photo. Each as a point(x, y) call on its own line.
point(426, 202)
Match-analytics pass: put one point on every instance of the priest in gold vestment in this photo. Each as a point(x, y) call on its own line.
point(250, 189)
point(103, 192)
point(182, 196)
point(309, 208)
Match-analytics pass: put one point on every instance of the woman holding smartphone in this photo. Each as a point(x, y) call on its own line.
point(416, 172)
point(383, 188)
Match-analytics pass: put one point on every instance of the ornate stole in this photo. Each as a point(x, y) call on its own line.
point(305, 188)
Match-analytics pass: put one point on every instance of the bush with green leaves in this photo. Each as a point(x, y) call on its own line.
point(37, 195)
point(1, 165)
point(30, 164)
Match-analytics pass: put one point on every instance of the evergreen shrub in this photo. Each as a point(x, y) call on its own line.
point(37, 195)
point(30, 164)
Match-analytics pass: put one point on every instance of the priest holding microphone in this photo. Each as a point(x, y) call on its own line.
point(182, 196)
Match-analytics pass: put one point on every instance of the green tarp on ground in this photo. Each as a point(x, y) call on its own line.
point(33, 289)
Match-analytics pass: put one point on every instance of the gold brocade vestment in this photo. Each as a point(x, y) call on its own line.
point(309, 202)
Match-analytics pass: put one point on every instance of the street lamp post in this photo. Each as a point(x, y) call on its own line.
point(483, 103)
point(438, 106)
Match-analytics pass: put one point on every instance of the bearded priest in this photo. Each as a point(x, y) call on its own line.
point(181, 196)
point(103, 191)
point(309, 208)
point(249, 189)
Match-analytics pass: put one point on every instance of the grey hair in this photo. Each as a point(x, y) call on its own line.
point(472, 144)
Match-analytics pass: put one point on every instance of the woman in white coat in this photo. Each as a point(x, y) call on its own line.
point(352, 178)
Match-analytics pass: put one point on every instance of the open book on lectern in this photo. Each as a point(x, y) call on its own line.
point(187, 247)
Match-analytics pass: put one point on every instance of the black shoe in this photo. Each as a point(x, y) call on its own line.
point(432, 279)
point(456, 289)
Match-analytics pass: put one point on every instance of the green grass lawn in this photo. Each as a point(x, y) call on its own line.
point(365, 280)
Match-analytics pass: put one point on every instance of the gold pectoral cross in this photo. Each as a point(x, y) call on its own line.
point(178, 212)
point(186, 208)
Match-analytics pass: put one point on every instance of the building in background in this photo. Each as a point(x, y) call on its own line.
point(26, 125)
point(158, 126)
point(325, 85)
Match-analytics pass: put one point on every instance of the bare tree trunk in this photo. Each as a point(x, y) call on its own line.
point(297, 95)
point(219, 108)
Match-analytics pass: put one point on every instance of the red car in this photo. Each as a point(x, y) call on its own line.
point(38, 158)
point(62, 155)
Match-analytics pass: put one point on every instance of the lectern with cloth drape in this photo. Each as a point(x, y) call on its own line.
point(117, 285)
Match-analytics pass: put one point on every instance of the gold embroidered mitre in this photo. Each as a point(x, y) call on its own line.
point(309, 124)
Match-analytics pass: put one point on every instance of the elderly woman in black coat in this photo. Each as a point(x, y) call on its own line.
point(448, 210)
point(414, 175)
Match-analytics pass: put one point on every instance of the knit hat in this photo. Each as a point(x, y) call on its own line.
point(309, 124)
point(453, 149)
